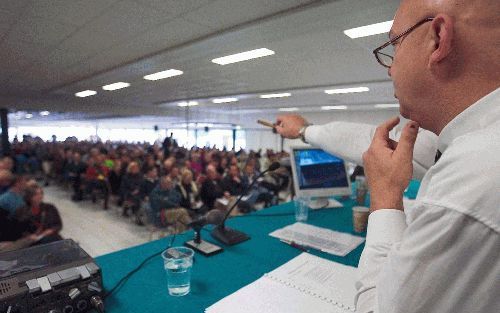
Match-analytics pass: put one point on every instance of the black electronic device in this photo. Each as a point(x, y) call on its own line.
point(204, 247)
point(229, 236)
point(58, 277)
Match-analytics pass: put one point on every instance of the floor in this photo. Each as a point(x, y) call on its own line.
point(97, 231)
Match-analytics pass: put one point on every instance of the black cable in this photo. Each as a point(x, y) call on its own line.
point(135, 270)
point(125, 278)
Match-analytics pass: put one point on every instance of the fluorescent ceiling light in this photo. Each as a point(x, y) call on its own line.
point(334, 107)
point(163, 74)
point(288, 109)
point(276, 95)
point(85, 93)
point(347, 90)
point(44, 113)
point(116, 86)
point(243, 56)
point(387, 105)
point(369, 30)
point(28, 115)
point(224, 100)
point(187, 104)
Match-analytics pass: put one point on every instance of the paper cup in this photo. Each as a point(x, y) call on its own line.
point(360, 218)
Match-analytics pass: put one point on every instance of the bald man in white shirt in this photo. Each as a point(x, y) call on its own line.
point(443, 253)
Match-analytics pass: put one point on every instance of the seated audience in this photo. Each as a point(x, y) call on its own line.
point(131, 190)
point(13, 199)
point(211, 188)
point(233, 183)
point(149, 183)
point(164, 203)
point(188, 191)
point(41, 219)
point(76, 170)
point(5, 180)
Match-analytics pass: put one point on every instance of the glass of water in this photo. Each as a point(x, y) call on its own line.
point(177, 262)
point(301, 208)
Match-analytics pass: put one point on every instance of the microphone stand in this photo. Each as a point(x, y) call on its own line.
point(204, 247)
point(229, 236)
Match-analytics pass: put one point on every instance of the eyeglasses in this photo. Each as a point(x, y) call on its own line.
point(386, 57)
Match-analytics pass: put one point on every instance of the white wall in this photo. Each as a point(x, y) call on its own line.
point(264, 138)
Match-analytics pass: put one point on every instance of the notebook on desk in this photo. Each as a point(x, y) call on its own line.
point(306, 283)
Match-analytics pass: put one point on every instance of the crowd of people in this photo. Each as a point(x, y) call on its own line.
point(25, 219)
point(160, 184)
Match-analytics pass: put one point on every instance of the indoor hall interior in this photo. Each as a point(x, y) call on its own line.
point(119, 113)
point(204, 71)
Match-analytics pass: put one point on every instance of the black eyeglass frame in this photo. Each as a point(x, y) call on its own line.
point(376, 52)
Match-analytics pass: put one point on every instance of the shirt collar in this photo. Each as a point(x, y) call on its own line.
point(484, 112)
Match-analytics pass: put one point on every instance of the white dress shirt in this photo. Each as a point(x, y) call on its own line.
point(350, 140)
point(442, 254)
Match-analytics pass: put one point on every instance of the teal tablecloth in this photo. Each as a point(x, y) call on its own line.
point(220, 275)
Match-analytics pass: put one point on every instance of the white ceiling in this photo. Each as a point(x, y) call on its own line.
point(51, 49)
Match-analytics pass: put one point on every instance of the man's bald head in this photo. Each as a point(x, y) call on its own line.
point(445, 65)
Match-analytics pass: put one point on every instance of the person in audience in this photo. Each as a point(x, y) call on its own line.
point(96, 176)
point(5, 180)
point(42, 219)
point(168, 164)
point(149, 183)
point(13, 199)
point(131, 189)
point(188, 191)
point(258, 193)
point(211, 188)
point(222, 165)
point(174, 175)
point(196, 164)
point(115, 178)
point(233, 183)
point(165, 207)
point(76, 169)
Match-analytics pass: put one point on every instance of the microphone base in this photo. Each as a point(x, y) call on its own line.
point(228, 236)
point(204, 247)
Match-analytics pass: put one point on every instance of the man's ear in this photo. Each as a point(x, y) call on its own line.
point(442, 37)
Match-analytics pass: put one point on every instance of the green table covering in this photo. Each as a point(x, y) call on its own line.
point(220, 275)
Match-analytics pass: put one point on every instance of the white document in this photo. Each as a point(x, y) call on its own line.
point(319, 238)
point(305, 284)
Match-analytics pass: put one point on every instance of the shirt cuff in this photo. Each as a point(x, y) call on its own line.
point(312, 132)
point(385, 226)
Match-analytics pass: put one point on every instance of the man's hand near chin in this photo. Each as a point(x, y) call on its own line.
point(388, 165)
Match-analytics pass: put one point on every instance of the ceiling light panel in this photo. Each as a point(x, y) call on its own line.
point(347, 90)
point(163, 74)
point(243, 56)
point(224, 100)
point(334, 107)
point(369, 30)
point(115, 86)
point(276, 95)
point(387, 105)
point(288, 109)
point(85, 93)
point(187, 104)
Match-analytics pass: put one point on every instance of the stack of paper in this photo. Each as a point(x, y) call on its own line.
point(323, 239)
point(305, 284)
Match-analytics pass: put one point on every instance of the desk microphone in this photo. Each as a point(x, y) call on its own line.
point(214, 217)
point(230, 236)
